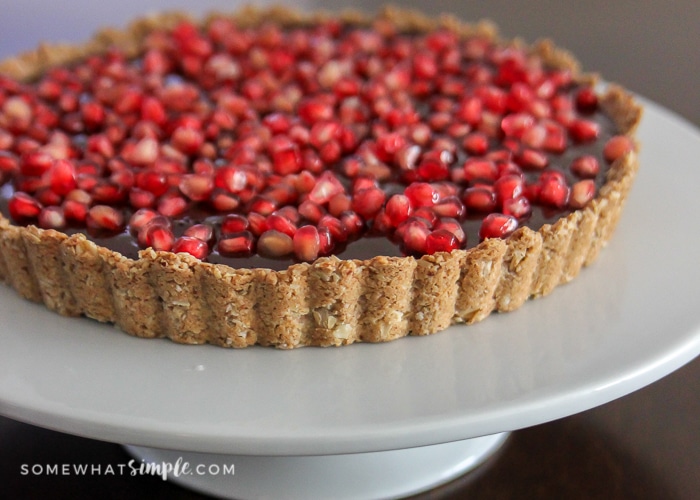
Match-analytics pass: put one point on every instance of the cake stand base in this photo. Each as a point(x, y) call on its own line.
point(376, 475)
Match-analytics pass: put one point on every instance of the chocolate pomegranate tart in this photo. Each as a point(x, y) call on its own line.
point(274, 178)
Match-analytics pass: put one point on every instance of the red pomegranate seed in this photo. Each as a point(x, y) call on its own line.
point(586, 100)
point(387, 146)
point(508, 187)
point(497, 225)
point(582, 130)
point(61, 177)
point(197, 187)
point(138, 198)
point(52, 218)
point(353, 223)
point(398, 209)
point(450, 206)
point(586, 166)
point(234, 223)
point(232, 179)
point(144, 152)
point(141, 218)
point(441, 240)
point(104, 217)
point(311, 211)
point(480, 170)
point(479, 199)
point(48, 197)
point(476, 143)
point(516, 124)
point(326, 187)
point(531, 159)
point(454, 227)
point(237, 245)
point(367, 202)
point(307, 243)
point(224, 202)
point(421, 194)
point(519, 207)
point(172, 206)
point(158, 237)
point(75, 210)
point(553, 193)
point(186, 139)
point(35, 163)
point(285, 155)
point(312, 110)
point(581, 193)
point(339, 204)
point(414, 235)
point(616, 147)
point(152, 181)
point(193, 246)
point(22, 207)
point(273, 243)
point(281, 224)
point(335, 227)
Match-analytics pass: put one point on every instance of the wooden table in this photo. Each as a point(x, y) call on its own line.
point(645, 445)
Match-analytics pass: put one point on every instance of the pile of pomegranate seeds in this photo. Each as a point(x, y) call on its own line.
point(291, 143)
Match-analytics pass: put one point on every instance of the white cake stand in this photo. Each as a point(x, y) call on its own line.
point(382, 421)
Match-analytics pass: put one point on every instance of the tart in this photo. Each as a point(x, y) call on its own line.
point(282, 179)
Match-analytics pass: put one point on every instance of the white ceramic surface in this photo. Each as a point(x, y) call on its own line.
point(377, 475)
point(625, 322)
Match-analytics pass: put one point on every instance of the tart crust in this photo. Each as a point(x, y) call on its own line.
point(330, 302)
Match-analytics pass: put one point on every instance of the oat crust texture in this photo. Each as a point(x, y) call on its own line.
point(330, 302)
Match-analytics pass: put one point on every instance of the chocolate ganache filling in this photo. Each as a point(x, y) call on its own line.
point(262, 146)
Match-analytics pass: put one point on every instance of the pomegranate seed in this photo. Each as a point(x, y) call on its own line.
point(272, 243)
point(52, 218)
point(353, 223)
point(311, 211)
point(35, 163)
point(196, 187)
point(586, 166)
point(234, 223)
point(61, 177)
point(186, 139)
point(367, 202)
point(508, 187)
point(387, 146)
point(312, 110)
point(286, 156)
point(497, 225)
point(553, 193)
point(581, 193)
point(398, 209)
point(172, 206)
point(281, 224)
point(193, 246)
point(307, 243)
point(421, 194)
point(616, 147)
point(441, 240)
point(225, 202)
point(414, 236)
point(326, 187)
point(516, 124)
point(586, 100)
point(152, 181)
point(141, 218)
point(531, 159)
point(202, 232)
point(237, 244)
point(584, 130)
point(158, 237)
point(335, 227)
point(138, 198)
point(339, 204)
point(476, 143)
point(22, 207)
point(454, 227)
point(519, 207)
point(231, 178)
point(480, 170)
point(450, 206)
point(104, 217)
point(75, 211)
point(144, 152)
point(480, 199)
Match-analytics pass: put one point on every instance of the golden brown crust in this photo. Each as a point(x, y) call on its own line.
point(331, 302)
